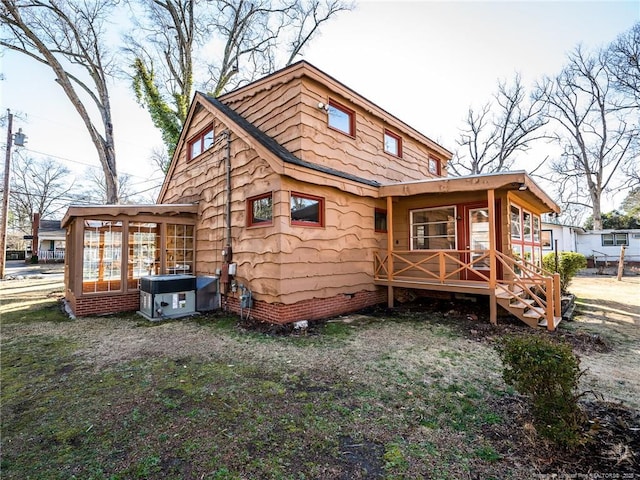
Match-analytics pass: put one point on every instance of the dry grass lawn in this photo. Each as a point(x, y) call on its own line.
point(412, 395)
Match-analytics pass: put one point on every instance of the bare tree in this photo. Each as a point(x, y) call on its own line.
point(495, 134)
point(160, 159)
point(623, 62)
point(94, 191)
point(597, 138)
point(69, 37)
point(238, 40)
point(38, 185)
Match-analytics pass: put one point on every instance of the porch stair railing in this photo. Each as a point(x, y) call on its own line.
point(526, 291)
point(532, 294)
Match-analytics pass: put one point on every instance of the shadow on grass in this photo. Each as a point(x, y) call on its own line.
point(608, 312)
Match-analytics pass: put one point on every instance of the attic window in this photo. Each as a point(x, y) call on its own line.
point(341, 118)
point(200, 142)
point(392, 143)
point(434, 166)
point(307, 210)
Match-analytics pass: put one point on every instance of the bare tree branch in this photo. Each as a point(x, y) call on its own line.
point(57, 33)
point(502, 128)
point(595, 136)
point(224, 43)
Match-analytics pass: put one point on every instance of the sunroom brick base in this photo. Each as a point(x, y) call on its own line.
point(313, 309)
point(103, 304)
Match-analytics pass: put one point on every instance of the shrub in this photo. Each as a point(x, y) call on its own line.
point(547, 372)
point(569, 263)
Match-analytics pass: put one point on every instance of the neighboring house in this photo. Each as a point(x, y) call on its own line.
point(317, 202)
point(563, 238)
point(604, 246)
point(51, 240)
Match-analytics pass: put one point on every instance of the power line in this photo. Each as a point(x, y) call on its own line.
point(78, 162)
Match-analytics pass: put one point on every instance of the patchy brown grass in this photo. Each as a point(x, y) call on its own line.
point(417, 393)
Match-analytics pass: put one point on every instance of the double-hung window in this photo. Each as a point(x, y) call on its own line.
point(614, 239)
point(433, 229)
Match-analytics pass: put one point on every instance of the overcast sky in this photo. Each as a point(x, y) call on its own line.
point(424, 62)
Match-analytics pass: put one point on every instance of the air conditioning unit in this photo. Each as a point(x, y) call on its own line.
point(167, 296)
point(207, 295)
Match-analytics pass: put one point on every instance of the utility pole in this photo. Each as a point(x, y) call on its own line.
point(5, 197)
point(5, 192)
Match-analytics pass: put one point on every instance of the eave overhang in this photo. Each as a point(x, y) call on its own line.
point(168, 209)
point(518, 181)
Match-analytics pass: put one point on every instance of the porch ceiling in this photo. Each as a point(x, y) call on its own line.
point(493, 181)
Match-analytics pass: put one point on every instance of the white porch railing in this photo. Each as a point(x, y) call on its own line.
point(50, 255)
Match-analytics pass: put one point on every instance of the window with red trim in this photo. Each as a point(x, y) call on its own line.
point(260, 210)
point(525, 235)
point(434, 166)
point(392, 143)
point(307, 210)
point(342, 118)
point(200, 143)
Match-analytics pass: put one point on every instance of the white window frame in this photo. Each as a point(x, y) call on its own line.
point(413, 238)
point(615, 239)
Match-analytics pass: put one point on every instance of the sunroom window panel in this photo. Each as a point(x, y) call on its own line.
point(180, 248)
point(102, 256)
point(516, 228)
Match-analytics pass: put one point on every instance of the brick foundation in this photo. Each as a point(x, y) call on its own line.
point(313, 309)
point(103, 304)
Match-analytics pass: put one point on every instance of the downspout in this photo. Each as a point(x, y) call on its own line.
point(227, 133)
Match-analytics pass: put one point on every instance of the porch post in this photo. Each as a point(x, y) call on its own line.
point(390, 252)
point(493, 307)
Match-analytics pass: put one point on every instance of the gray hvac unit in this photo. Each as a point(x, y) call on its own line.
point(167, 296)
point(207, 297)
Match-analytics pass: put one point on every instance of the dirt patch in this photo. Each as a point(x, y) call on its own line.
point(611, 441)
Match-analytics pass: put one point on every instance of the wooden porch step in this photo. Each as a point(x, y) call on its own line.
point(543, 321)
point(516, 292)
point(522, 303)
point(534, 312)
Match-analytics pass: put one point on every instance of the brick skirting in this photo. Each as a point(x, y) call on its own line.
point(313, 309)
point(103, 304)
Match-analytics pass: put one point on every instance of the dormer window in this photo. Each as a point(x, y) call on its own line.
point(434, 167)
point(342, 119)
point(200, 142)
point(392, 143)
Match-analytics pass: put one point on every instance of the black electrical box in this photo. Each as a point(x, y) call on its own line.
point(167, 283)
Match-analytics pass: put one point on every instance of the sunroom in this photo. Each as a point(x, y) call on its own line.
point(109, 248)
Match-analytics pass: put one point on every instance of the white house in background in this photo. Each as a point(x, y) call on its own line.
point(605, 245)
point(562, 237)
point(51, 240)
